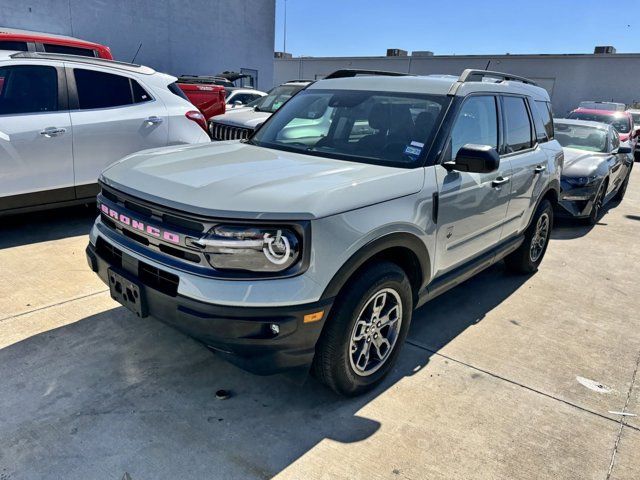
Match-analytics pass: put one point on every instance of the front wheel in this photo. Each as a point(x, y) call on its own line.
point(598, 203)
point(527, 258)
point(623, 188)
point(365, 331)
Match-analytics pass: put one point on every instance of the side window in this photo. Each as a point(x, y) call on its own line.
point(538, 120)
point(140, 95)
point(84, 52)
point(544, 109)
point(102, 90)
point(476, 123)
point(13, 45)
point(28, 89)
point(615, 139)
point(517, 124)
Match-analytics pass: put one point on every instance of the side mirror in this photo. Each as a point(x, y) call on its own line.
point(475, 159)
point(237, 103)
point(623, 149)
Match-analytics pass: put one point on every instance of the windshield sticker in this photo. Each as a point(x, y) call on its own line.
point(417, 144)
point(413, 152)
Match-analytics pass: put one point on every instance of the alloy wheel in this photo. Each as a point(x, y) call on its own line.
point(540, 237)
point(375, 332)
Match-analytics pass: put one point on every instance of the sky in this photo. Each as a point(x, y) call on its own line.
point(369, 27)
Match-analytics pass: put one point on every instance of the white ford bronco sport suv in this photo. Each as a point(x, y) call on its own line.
point(312, 242)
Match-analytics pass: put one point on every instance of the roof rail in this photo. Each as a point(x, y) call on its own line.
point(346, 73)
point(132, 67)
point(471, 75)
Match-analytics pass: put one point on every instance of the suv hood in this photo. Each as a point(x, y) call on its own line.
point(580, 163)
point(236, 180)
point(242, 117)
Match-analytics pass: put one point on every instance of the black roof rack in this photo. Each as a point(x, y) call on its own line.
point(471, 75)
point(346, 73)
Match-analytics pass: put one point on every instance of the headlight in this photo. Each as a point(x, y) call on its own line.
point(580, 181)
point(256, 249)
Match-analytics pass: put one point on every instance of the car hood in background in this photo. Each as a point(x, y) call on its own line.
point(236, 180)
point(242, 117)
point(580, 163)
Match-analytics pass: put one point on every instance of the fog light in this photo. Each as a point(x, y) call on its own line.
point(275, 329)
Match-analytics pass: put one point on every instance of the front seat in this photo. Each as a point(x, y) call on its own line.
point(379, 120)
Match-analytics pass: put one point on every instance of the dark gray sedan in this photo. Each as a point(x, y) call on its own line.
point(596, 167)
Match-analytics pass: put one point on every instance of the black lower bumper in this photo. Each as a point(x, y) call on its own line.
point(262, 340)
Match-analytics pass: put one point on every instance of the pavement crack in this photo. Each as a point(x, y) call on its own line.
point(623, 421)
point(21, 314)
point(522, 385)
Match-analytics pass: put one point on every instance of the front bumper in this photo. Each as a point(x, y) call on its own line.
point(576, 201)
point(262, 340)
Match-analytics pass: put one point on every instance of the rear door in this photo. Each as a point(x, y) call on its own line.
point(472, 206)
point(36, 164)
point(528, 162)
point(113, 115)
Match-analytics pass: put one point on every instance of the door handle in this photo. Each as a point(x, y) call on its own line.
point(52, 132)
point(498, 182)
point(540, 169)
point(153, 120)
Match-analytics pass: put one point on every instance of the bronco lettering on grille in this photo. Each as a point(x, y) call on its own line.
point(140, 226)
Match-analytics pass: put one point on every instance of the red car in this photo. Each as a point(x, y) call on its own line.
point(621, 121)
point(210, 99)
point(27, 41)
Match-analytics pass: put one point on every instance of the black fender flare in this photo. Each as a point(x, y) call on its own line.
point(368, 251)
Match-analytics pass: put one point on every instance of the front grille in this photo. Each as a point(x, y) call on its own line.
point(152, 277)
point(110, 253)
point(153, 214)
point(157, 279)
point(220, 131)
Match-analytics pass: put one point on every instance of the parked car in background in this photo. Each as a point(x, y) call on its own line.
point(621, 121)
point(596, 168)
point(64, 118)
point(27, 41)
point(635, 113)
point(287, 253)
point(239, 97)
point(609, 106)
point(239, 123)
point(206, 93)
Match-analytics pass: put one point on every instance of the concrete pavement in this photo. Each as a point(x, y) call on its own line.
point(487, 386)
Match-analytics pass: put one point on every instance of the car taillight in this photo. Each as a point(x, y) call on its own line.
point(198, 118)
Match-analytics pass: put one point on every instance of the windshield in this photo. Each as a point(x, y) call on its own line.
point(275, 98)
point(361, 126)
point(620, 122)
point(582, 137)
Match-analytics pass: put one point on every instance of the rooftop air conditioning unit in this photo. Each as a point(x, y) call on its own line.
point(396, 52)
point(605, 49)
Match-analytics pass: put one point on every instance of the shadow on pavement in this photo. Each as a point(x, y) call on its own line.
point(112, 393)
point(46, 225)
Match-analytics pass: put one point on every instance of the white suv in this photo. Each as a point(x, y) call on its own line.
point(64, 118)
point(312, 242)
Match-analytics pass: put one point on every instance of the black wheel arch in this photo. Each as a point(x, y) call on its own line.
point(405, 249)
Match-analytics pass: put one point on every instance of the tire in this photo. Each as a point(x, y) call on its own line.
point(623, 188)
point(527, 258)
point(598, 203)
point(340, 361)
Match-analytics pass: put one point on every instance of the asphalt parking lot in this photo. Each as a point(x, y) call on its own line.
point(503, 377)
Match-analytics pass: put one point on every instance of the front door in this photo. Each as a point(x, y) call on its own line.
point(113, 116)
point(36, 163)
point(472, 206)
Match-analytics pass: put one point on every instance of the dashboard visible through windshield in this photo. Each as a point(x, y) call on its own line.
point(362, 126)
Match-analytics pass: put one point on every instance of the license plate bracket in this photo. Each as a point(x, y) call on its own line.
point(128, 292)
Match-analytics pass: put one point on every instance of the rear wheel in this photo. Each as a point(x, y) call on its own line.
point(366, 330)
point(528, 256)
